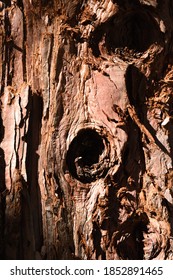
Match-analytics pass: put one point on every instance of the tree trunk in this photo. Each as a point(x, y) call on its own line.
point(86, 130)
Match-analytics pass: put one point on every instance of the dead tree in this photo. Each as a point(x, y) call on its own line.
point(86, 129)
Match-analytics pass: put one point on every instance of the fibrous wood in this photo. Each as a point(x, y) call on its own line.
point(86, 129)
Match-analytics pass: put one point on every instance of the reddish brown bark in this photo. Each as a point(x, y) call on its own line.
point(86, 129)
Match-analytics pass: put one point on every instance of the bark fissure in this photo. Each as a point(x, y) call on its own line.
point(86, 129)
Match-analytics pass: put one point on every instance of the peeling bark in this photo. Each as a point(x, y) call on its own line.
point(86, 129)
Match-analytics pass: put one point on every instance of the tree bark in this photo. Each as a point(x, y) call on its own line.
point(86, 130)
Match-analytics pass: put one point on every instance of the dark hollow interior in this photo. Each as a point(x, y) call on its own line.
point(134, 30)
point(84, 151)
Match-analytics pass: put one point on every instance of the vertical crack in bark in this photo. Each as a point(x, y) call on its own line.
point(2, 192)
point(32, 157)
point(47, 47)
point(2, 49)
point(7, 78)
point(21, 5)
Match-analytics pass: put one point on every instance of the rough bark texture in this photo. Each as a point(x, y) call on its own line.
point(86, 130)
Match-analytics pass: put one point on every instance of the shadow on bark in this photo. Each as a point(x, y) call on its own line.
point(33, 141)
point(2, 203)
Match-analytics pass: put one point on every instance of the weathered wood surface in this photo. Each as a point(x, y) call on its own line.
point(86, 129)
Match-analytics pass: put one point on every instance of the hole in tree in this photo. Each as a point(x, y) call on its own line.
point(84, 154)
point(133, 30)
point(136, 31)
